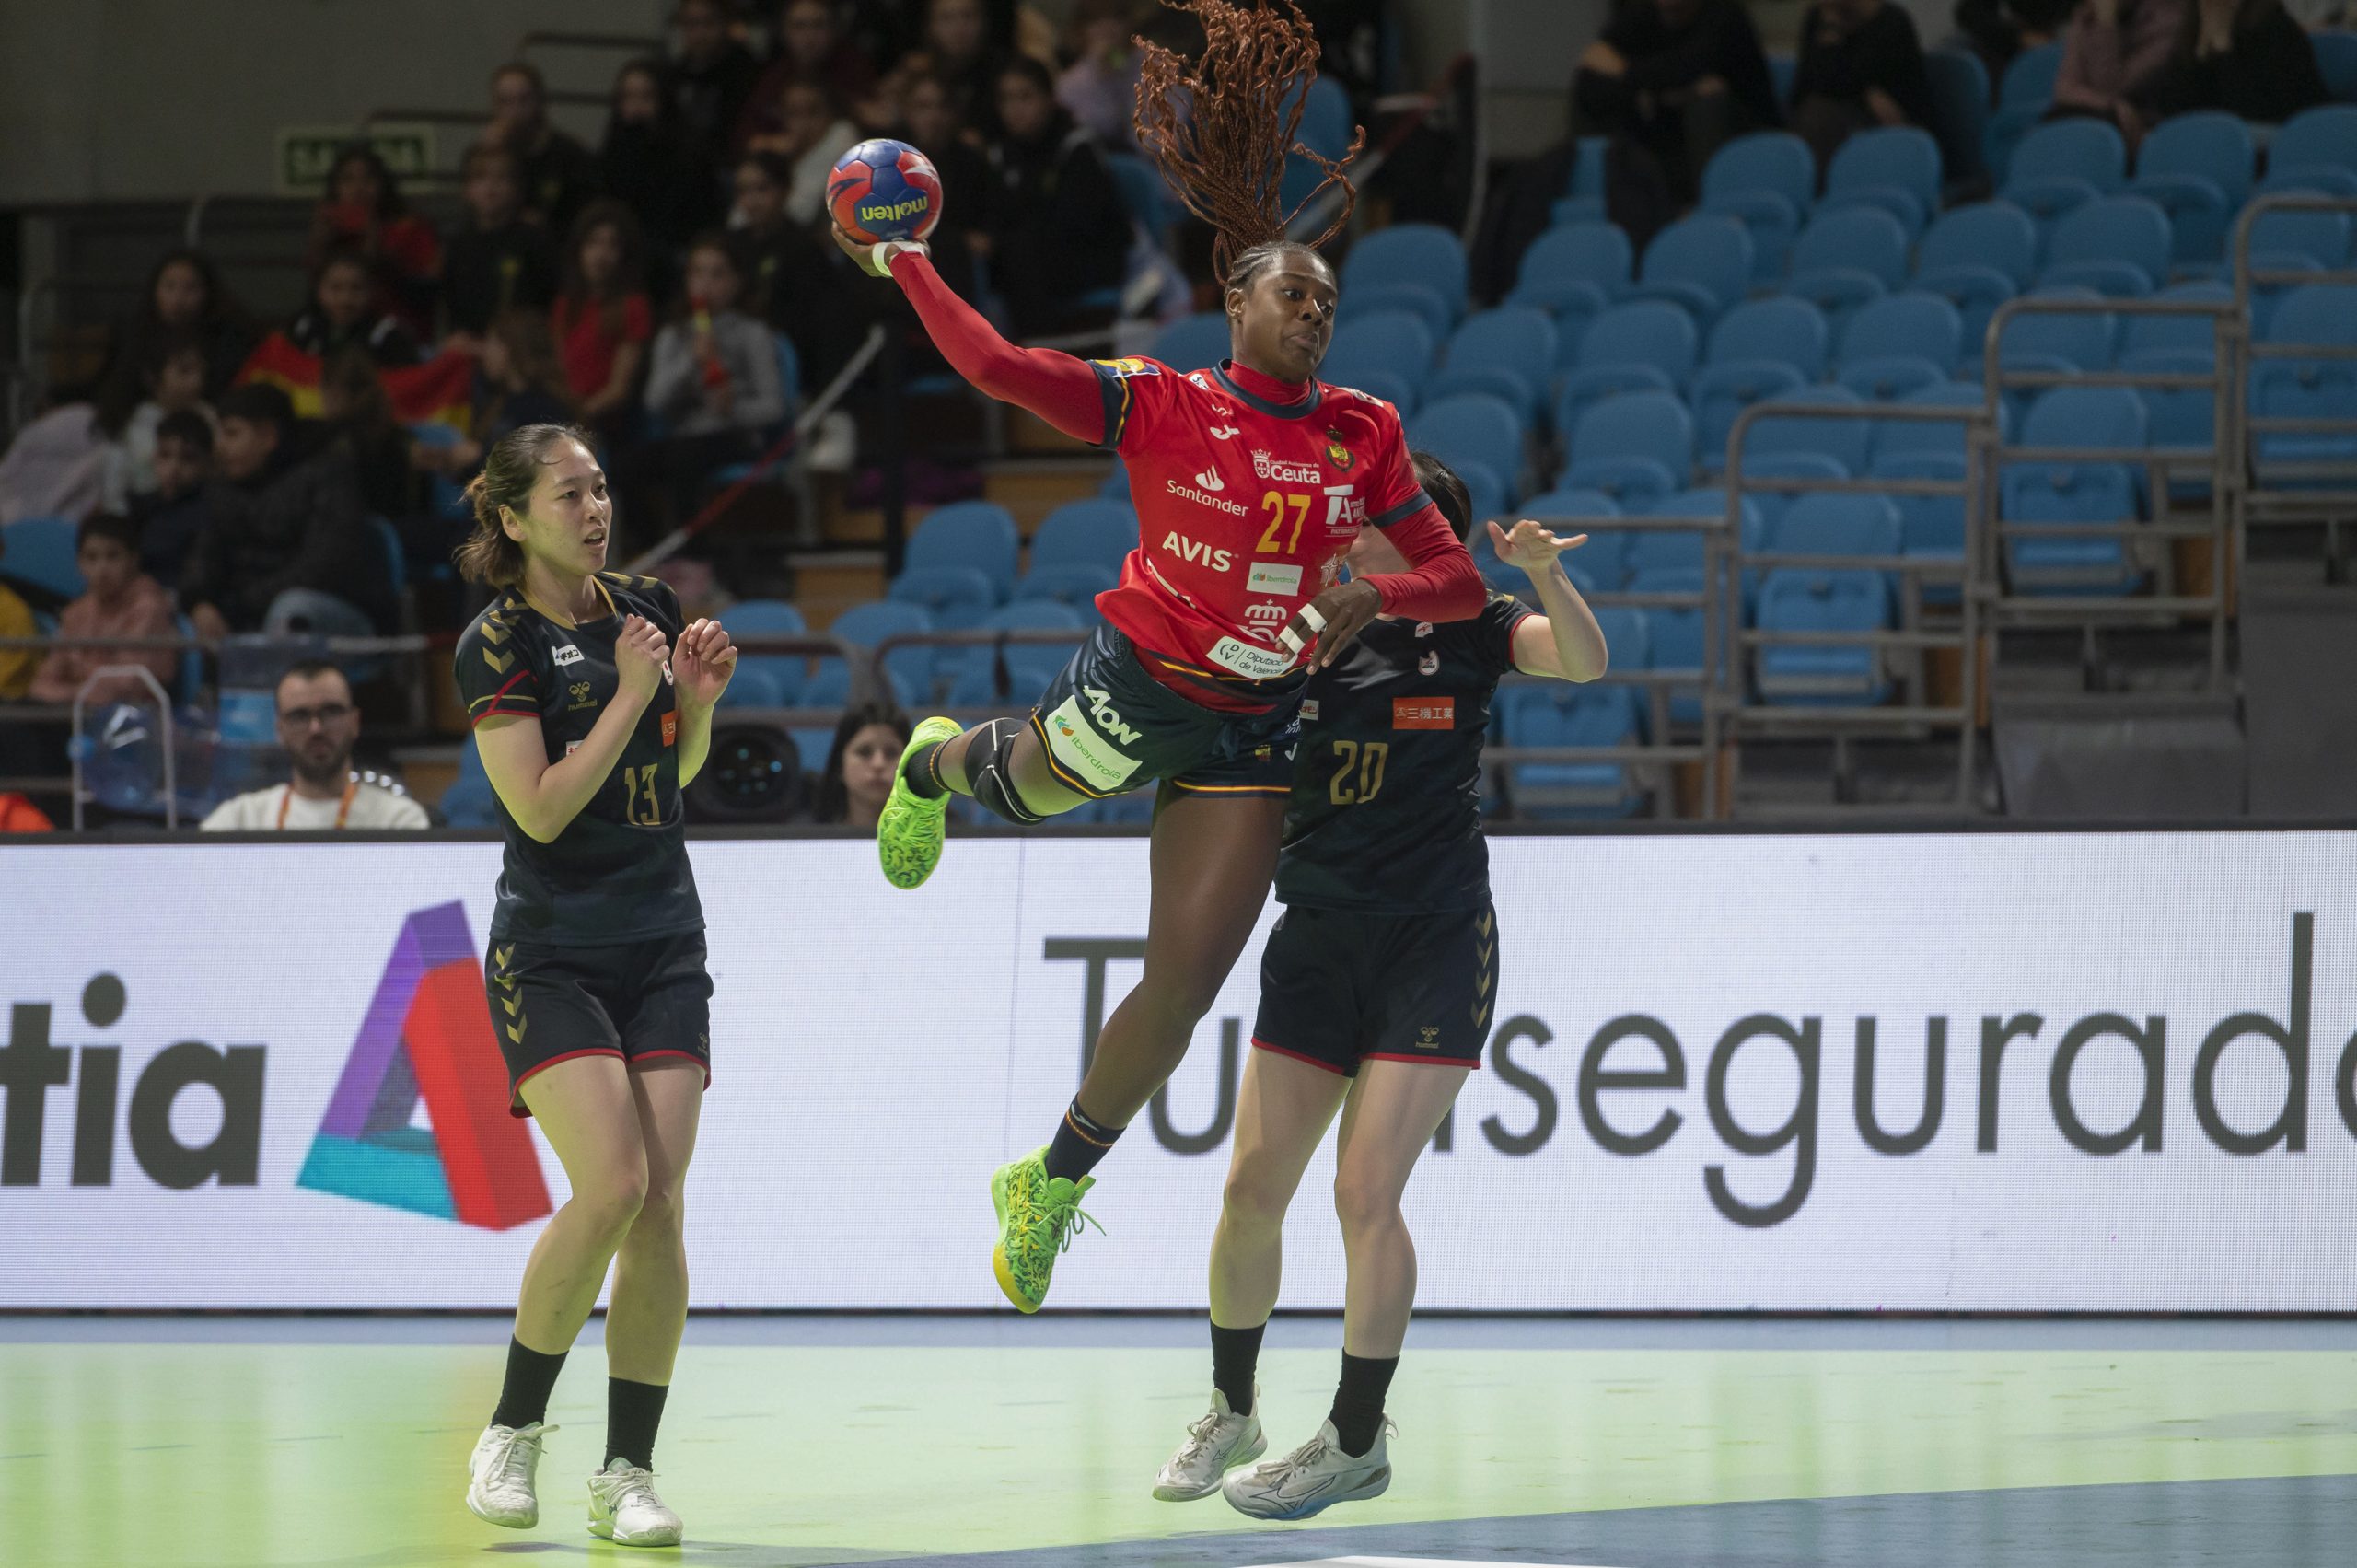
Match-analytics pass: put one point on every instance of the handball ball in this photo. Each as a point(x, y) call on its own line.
point(884, 190)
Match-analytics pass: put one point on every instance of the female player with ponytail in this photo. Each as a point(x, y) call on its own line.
point(592, 709)
point(1251, 481)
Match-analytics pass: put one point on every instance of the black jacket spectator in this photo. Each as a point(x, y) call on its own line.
point(558, 174)
point(184, 295)
point(486, 271)
point(792, 280)
point(2250, 58)
point(651, 163)
point(1679, 78)
point(1054, 220)
point(709, 82)
point(342, 314)
point(1861, 65)
point(298, 524)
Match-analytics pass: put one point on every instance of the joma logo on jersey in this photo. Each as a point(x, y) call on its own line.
point(1100, 708)
point(1224, 432)
point(1266, 467)
point(566, 654)
point(1196, 552)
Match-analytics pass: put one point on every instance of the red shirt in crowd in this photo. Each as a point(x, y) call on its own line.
point(588, 347)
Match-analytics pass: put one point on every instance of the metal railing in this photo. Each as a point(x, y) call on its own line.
point(2277, 489)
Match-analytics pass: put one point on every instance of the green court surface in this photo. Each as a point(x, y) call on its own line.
point(798, 1441)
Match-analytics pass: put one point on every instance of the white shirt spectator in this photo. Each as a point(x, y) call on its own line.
point(279, 809)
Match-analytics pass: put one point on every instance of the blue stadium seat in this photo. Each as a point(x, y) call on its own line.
point(1931, 526)
point(1508, 352)
point(469, 802)
point(2024, 94)
point(1474, 428)
point(40, 552)
point(2064, 164)
point(1961, 94)
point(1603, 558)
point(1896, 167)
point(769, 617)
point(1193, 342)
point(2075, 340)
point(2096, 492)
point(1846, 257)
point(972, 672)
point(1975, 258)
point(1582, 197)
point(1823, 675)
point(1766, 182)
point(2324, 315)
point(1771, 504)
point(1759, 349)
point(2179, 417)
point(1117, 483)
point(1324, 129)
point(1646, 345)
point(1485, 493)
point(1659, 550)
point(2118, 246)
point(756, 686)
point(1636, 448)
point(1897, 344)
point(1843, 440)
point(1145, 196)
point(1557, 712)
point(1837, 525)
point(1701, 263)
point(1385, 343)
point(867, 626)
point(1410, 266)
point(2336, 62)
point(1894, 437)
point(2198, 168)
point(1675, 636)
point(1573, 271)
point(1078, 552)
point(956, 547)
point(2321, 138)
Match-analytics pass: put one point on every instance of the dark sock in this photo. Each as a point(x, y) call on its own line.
point(923, 771)
point(632, 1412)
point(1078, 1144)
point(1358, 1402)
point(1235, 1354)
point(523, 1397)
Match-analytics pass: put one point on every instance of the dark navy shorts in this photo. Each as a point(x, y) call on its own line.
point(1109, 727)
point(641, 1001)
point(1339, 987)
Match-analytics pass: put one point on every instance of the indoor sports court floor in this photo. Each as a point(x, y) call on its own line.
point(960, 1442)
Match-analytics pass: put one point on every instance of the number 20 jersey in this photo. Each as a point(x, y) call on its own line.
point(1245, 509)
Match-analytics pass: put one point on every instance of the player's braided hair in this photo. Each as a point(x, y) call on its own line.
point(1219, 136)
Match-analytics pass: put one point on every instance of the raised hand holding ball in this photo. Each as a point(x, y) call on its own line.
point(884, 190)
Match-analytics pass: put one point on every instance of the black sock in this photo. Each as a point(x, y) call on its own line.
point(1358, 1401)
point(632, 1412)
point(1079, 1143)
point(523, 1397)
point(923, 771)
point(1235, 1354)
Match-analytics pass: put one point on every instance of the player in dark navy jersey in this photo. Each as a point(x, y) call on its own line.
point(591, 705)
point(1377, 988)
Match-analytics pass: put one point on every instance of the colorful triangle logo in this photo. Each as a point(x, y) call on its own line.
point(428, 1036)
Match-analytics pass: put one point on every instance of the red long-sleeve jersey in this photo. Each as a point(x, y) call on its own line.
point(1248, 492)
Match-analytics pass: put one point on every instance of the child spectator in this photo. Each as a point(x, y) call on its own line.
point(2247, 57)
point(559, 174)
point(652, 167)
point(929, 122)
point(184, 295)
point(499, 260)
point(170, 517)
point(363, 211)
point(811, 135)
point(1053, 221)
point(342, 313)
point(286, 546)
point(1678, 79)
point(118, 601)
point(812, 49)
point(57, 465)
point(602, 318)
point(869, 739)
point(1861, 65)
point(958, 47)
point(715, 381)
point(2111, 56)
point(361, 425)
point(171, 382)
point(711, 79)
point(792, 279)
point(522, 382)
point(1100, 90)
point(319, 725)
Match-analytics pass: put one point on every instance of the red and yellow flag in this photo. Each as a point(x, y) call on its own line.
point(439, 391)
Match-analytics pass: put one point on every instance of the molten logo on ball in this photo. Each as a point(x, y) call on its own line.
point(884, 190)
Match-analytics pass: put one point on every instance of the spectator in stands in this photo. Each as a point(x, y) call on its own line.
point(652, 165)
point(559, 173)
point(360, 422)
point(286, 546)
point(1100, 88)
point(499, 260)
point(1055, 228)
point(712, 80)
point(811, 133)
point(869, 739)
point(2247, 57)
point(16, 665)
point(118, 600)
point(929, 122)
point(342, 313)
point(319, 723)
point(602, 318)
point(1999, 29)
point(522, 382)
point(57, 465)
point(170, 517)
point(811, 48)
point(2111, 54)
point(171, 382)
point(792, 280)
point(184, 295)
point(959, 50)
point(362, 210)
point(1677, 78)
point(714, 384)
point(1861, 67)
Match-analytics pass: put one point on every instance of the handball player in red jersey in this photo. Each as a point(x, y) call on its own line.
point(1251, 478)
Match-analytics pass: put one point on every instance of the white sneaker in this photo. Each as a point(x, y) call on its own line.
point(623, 1508)
point(500, 1475)
point(1214, 1443)
point(1312, 1477)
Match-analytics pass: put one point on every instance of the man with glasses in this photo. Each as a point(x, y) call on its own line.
point(316, 724)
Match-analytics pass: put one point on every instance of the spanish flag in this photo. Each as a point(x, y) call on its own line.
point(439, 391)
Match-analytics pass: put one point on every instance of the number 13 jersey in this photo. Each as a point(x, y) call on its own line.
point(1245, 509)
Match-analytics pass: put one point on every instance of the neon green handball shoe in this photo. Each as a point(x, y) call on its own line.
point(1037, 1217)
point(909, 831)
